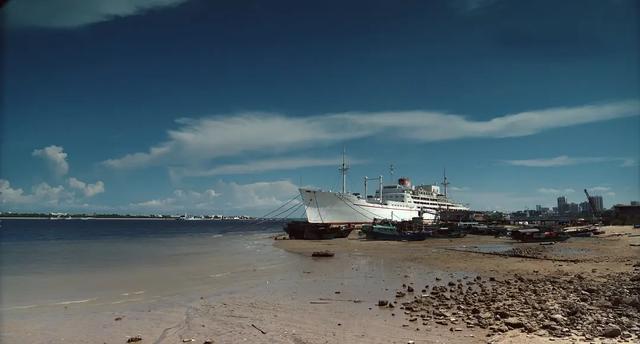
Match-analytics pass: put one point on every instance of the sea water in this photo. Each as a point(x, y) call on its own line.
point(48, 263)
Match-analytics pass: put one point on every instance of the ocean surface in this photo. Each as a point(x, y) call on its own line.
point(48, 263)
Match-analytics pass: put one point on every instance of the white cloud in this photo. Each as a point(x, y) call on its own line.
point(553, 191)
point(564, 160)
point(258, 166)
point(459, 189)
point(55, 157)
point(201, 140)
point(89, 190)
point(41, 194)
point(599, 189)
point(73, 13)
point(628, 162)
point(9, 195)
point(251, 198)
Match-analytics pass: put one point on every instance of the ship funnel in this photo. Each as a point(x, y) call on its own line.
point(404, 182)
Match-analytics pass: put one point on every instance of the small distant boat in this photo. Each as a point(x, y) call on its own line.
point(537, 235)
point(388, 231)
point(584, 232)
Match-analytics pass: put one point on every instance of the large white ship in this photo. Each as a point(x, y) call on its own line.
point(397, 202)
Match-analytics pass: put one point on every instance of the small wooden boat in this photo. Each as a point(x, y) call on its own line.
point(537, 235)
point(388, 231)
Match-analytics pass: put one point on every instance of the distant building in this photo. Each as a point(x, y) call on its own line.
point(573, 208)
point(585, 207)
point(597, 203)
point(635, 203)
point(562, 205)
point(538, 208)
point(626, 214)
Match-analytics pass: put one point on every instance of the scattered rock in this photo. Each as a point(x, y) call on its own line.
point(611, 332)
point(383, 303)
point(513, 322)
point(134, 339)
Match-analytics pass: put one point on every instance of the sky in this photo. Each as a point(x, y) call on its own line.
point(227, 107)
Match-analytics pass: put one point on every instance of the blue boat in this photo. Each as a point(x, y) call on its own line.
point(388, 231)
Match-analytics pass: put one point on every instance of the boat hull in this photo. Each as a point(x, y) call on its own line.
point(310, 231)
point(334, 207)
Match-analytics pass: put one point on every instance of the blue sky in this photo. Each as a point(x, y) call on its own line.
point(147, 106)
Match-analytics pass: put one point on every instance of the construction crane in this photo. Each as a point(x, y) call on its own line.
point(592, 205)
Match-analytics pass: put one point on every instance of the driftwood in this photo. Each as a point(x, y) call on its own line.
point(322, 254)
point(259, 329)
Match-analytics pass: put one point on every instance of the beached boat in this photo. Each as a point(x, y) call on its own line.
point(304, 230)
point(537, 235)
point(388, 231)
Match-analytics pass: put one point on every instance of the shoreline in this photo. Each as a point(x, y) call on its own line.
point(298, 299)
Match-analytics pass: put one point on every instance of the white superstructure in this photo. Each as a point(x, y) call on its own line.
point(398, 202)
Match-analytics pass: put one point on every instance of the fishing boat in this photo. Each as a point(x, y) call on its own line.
point(387, 230)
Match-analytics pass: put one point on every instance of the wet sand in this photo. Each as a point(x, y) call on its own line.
point(299, 299)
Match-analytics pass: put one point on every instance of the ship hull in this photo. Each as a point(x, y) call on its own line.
point(333, 207)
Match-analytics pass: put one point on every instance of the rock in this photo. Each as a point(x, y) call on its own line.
point(611, 332)
point(118, 318)
point(557, 318)
point(383, 303)
point(208, 341)
point(410, 289)
point(400, 294)
point(503, 314)
point(513, 322)
point(502, 328)
point(134, 339)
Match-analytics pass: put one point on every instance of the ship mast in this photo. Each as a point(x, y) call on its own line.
point(445, 183)
point(343, 169)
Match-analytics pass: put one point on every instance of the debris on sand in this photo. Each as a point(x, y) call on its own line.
point(322, 254)
point(134, 339)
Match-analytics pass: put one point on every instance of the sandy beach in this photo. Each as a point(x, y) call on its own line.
point(290, 297)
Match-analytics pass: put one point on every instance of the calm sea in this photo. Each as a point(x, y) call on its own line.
point(44, 263)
